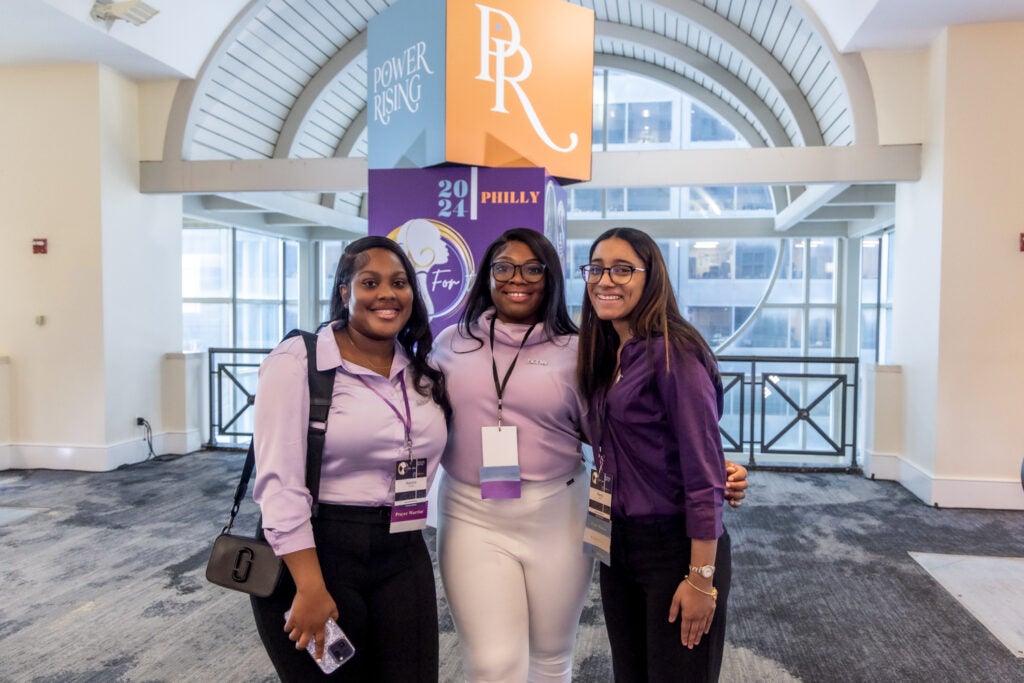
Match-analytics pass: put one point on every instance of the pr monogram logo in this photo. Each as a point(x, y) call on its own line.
point(502, 49)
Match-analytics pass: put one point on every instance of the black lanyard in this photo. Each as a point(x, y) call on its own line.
point(499, 386)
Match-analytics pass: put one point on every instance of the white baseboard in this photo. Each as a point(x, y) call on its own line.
point(178, 443)
point(947, 492)
point(879, 465)
point(916, 480)
point(978, 493)
point(94, 458)
point(5, 456)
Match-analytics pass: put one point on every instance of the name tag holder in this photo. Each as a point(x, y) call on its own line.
point(500, 477)
point(409, 513)
point(597, 535)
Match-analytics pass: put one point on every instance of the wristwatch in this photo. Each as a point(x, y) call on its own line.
point(707, 571)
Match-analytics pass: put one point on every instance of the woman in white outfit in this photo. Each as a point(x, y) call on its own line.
point(513, 500)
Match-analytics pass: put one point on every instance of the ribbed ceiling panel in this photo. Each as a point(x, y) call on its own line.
point(781, 28)
point(248, 95)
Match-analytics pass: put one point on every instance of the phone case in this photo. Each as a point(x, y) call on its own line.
point(337, 650)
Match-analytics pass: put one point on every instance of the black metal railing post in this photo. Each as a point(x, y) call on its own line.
point(839, 386)
point(227, 369)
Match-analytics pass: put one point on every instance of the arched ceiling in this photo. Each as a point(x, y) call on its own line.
point(289, 77)
point(288, 80)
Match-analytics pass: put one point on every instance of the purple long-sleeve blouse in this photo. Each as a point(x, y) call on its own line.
point(658, 435)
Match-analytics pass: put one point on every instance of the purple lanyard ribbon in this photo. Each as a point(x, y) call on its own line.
point(407, 419)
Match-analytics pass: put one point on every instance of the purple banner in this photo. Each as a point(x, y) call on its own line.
point(446, 217)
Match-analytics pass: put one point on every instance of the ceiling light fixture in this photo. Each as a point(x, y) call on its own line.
point(133, 11)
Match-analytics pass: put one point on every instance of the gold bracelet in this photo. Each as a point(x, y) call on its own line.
point(713, 592)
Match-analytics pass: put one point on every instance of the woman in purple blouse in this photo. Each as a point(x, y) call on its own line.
point(356, 560)
point(655, 399)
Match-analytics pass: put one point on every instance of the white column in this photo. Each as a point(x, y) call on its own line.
point(959, 277)
point(5, 413)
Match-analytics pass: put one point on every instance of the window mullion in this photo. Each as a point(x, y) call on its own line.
point(234, 287)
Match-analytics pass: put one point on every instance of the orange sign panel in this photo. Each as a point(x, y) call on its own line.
point(520, 85)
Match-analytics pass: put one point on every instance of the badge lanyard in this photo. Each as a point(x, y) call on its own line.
point(499, 386)
point(407, 419)
point(499, 471)
point(409, 511)
point(597, 535)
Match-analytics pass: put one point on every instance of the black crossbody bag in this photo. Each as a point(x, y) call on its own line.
point(248, 564)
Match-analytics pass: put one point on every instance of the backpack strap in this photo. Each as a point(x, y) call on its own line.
point(321, 390)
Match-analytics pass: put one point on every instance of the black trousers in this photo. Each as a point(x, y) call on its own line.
point(647, 563)
point(383, 585)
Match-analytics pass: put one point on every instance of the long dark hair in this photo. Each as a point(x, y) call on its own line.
point(656, 313)
point(552, 312)
point(415, 337)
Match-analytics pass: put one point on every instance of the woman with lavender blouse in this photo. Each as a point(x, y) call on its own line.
point(355, 561)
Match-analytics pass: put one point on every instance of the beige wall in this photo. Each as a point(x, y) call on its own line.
point(51, 188)
point(141, 269)
point(155, 100)
point(899, 80)
point(110, 287)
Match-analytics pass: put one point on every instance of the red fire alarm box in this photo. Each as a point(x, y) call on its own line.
point(39, 245)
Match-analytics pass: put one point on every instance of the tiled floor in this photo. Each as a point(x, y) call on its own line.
point(990, 588)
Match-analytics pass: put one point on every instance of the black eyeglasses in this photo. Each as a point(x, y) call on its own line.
point(503, 271)
point(619, 275)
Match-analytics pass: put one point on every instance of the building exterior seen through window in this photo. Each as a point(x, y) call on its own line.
point(329, 253)
point(239, 289)
point(726, 288)
point(632, 112)
point(876, 298)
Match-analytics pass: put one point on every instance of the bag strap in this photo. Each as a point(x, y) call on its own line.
point(321, 389)
point(243, 484)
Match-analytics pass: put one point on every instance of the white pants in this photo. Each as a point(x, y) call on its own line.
point(515, 576)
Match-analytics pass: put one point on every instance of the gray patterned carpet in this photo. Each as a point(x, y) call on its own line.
point(102, 578)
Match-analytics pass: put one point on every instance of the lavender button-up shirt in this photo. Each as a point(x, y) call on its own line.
point(659, 437)
point(364, 439)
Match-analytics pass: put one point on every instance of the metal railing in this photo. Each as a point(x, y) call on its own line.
point(232, 385)
point(781, 411)
point(785, 411)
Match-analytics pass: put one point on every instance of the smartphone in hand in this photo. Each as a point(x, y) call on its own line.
point(337, 650)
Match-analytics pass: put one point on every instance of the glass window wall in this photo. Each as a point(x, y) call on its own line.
point(876, 258)
point(721, 283)
point(239, 289)
point(632, 112)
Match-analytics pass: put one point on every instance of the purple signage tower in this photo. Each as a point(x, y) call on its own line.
point(445, 217)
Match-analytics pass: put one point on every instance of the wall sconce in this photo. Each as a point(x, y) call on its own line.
point(133, 11)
